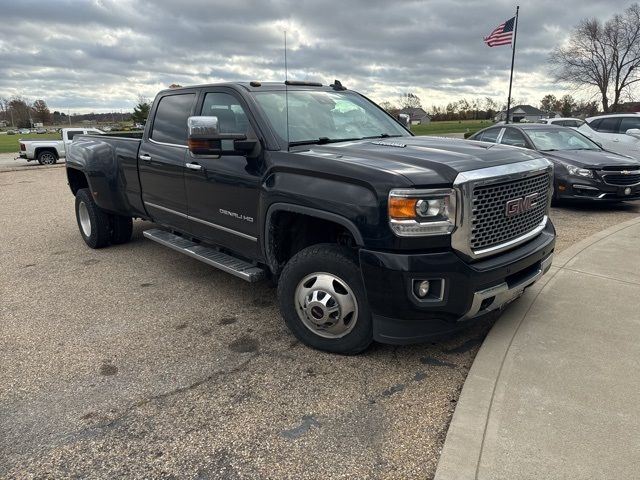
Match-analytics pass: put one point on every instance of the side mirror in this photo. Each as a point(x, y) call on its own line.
point(634, 132)
point(204, 137)
point(404, 119)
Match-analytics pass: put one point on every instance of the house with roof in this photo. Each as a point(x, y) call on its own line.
point(417, 115)
point(521, 113)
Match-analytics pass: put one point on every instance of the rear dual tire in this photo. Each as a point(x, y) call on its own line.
point(97, 227)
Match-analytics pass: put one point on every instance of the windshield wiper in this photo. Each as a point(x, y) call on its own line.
point(321, 141)
point(324, 140)
point(382, 135)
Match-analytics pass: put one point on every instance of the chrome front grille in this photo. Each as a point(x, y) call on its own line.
point(490, 224)
point(486, 223)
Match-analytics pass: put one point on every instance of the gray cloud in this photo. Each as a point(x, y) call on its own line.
point(97, 55)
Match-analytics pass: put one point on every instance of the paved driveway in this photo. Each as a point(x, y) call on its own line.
point(137, 361)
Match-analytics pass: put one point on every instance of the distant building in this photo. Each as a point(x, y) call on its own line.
point(525, 113)
point(4, 123)
point(417, 115)
point(630, 107)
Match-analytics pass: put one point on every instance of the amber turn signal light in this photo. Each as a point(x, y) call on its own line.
point(401, 208)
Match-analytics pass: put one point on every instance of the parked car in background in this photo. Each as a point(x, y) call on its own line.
point(619, 132)
point(41, 130)
point(48, 152)
point(583, 169)
point(24, 131)
point(562, 122)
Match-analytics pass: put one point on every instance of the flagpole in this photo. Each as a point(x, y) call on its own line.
point(513, 57)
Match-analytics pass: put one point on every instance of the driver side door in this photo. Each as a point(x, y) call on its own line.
point(223, 193)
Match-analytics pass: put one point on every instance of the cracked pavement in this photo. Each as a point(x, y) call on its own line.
point(135, 361)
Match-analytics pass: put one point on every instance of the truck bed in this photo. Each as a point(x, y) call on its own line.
point(111, 164)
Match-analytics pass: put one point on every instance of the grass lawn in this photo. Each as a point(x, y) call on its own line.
point(454, 126)
point(9, 143)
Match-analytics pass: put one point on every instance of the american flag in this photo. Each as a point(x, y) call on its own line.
point(502, 35)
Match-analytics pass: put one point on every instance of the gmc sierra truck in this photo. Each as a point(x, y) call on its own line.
point(47, 152)
point(369, 232)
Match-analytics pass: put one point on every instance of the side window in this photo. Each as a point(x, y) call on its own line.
point(490, 135)
point(231, 116)
point(170, 122)
point(73, 133)
point(606, 125)
point(513, 137)
point(629, 122)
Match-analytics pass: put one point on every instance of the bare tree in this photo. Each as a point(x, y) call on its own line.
point(20, 111)
point(410, 100)
point(604, 56)
point(41, 111)
point(388, 106)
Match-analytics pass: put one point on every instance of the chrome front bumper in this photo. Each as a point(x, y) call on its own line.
point(504, 293)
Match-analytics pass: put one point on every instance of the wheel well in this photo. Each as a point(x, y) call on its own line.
point(77, 180)
point(290, 232)
point(38, 151)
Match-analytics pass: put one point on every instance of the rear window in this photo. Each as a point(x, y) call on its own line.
point(489, 135)
point(73, 133)
point(629, 122)
point(170, 122)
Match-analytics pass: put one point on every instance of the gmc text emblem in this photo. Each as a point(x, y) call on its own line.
point(517, 206)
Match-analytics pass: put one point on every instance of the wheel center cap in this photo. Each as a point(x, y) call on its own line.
point(317, 312)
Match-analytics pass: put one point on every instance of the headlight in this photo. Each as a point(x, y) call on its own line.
point(579, 172)
point(416, 213)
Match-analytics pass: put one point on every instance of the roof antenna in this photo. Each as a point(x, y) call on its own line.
point(286, 89)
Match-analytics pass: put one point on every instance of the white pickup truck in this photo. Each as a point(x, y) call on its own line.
point(48, 152)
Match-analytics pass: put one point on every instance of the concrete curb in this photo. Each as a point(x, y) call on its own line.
point(19, 168)
point(463, 445)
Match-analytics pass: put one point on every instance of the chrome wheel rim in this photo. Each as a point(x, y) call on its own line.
point(47, 158)
point(85, 220)
point(326, 305)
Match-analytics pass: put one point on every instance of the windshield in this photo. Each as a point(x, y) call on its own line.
point(560, 139)
point(320, 117)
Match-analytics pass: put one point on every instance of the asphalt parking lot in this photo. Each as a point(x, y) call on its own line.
point(137, 361)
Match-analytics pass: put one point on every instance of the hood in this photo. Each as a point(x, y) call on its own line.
point(591, 158)
point(423, 160)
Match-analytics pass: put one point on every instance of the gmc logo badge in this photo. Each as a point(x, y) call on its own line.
point(521, 205)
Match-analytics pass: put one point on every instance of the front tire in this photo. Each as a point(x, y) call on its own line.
point(93, 223)
point(323, 302)
point(47, 158)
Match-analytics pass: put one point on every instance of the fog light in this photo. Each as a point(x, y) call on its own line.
point(422, 288)
point(627, 191)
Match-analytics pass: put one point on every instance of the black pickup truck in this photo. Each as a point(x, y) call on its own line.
point(370, 232)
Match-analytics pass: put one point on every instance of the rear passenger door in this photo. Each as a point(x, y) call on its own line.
point(605, 132)
point(161, 160)
point(629, 145)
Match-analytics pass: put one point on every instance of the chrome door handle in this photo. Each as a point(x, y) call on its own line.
point(193, 166)
point(144, 157)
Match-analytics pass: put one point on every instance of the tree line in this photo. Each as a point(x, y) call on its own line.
point(20, 112)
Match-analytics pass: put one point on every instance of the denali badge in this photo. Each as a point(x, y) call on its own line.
point(520, 205)
point(239, 216)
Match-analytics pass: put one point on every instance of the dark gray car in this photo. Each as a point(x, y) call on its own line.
point(583, 169)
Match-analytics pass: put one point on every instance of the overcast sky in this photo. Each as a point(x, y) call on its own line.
point(99, 55)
